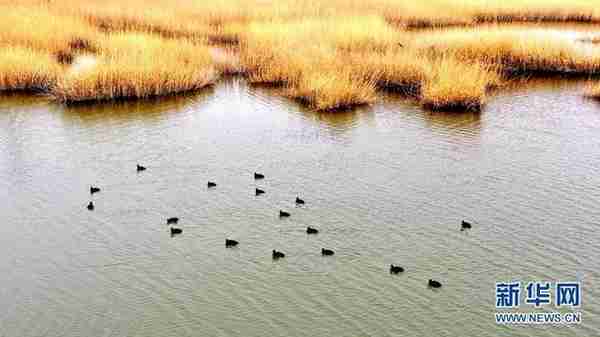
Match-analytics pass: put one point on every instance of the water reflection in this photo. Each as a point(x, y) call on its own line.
point(335, 122)
point(340, 120)
point(454, 122)
point(11, 101)
point(522, 85)
point(130, 110)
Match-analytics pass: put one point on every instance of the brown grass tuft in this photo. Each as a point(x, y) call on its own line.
point(516, 50)
point(39, 28)
point(452, 84)
point(333, 90)
point(27, 69)
point(330, 54)
point(139, 66)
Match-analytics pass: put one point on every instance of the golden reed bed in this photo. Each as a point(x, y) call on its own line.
point(328, 54)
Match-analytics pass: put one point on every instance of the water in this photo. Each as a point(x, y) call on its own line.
point(385, 184)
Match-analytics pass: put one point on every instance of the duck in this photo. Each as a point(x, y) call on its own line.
point(310, 230)
point(326, 252)
point(277, 255)
point(94, 189)
point(465, 225)
point(434, 283)
point(259, 176)
point(211, 184)
point(140, 168)
point(230, 243)
point(299, 201)
point(283, 214)
point(396, 269)
point(90, 206)
point(259, 191)
point(172, 220)
point(175, 231)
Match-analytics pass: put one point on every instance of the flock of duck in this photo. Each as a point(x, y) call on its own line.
point(282, 214)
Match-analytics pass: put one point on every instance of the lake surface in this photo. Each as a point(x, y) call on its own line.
point(384, 184)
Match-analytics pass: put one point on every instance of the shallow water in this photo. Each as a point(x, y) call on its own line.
point(384, 184)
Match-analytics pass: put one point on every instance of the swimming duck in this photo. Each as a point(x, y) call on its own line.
point(310, 230)
point(465, 225)
point(326, 252)
point(434, 283)
point(230, 243)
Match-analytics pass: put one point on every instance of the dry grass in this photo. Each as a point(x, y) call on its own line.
point(27, 69)
point(521, 50)
point(329, 54)
point(133, 65)
point(327, 80)
point(441, 92)
point(40, 29)
point(586, 11)
point(328, 73)
point(334, 90)
point(399, 69)
point(448, 13)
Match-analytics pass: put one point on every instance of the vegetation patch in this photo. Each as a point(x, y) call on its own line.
point(27, 69)
point(133, 65)
point(328, 54)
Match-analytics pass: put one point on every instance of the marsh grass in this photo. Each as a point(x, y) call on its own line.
point(470, 13)
point(328, 74)
point(27, 69)
point(441, 92)
point(334, 86)
point(516, 50)
point(328, 54)
point(398, 69)
point(227, 61)
point(39, 29)
point(134, 65)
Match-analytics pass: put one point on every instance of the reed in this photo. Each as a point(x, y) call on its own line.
point(440, 90)
point(133, 65)
point(400, 69)
point(448, 13)
point(329, 54)
point(327, 74)
point(516, 50)
point(329, 81)
point(27, 69)
point(40, 29)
